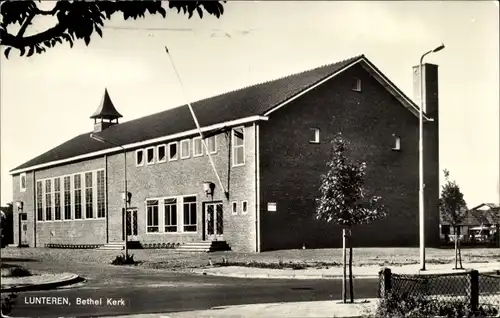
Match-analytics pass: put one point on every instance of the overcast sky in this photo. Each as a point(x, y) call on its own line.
point(47, 99)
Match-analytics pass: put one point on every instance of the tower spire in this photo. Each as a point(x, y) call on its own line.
point(106, 114)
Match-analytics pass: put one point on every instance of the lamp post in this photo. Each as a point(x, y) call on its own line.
point(421, 161)
point(125, 193)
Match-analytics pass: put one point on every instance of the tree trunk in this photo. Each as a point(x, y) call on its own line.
point(351, 283)
point(344, 278)
point(460, 255)
point(456, 248)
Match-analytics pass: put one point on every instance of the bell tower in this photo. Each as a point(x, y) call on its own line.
point(106, 114)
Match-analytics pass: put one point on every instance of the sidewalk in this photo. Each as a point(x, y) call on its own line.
point(330, 308)
point(38, 282)
point(337, 272)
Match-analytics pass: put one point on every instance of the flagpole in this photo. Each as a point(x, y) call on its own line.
point(196, 123)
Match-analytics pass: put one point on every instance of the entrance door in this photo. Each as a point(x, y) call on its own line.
point(23, 229)
point(215, 221)
point(132, 225)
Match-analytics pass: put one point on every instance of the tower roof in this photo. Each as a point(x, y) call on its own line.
point(106, 110)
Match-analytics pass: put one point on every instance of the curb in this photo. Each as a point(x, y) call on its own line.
point(272, 276)
point(44, 286)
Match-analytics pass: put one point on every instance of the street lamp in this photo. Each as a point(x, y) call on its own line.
point(421, 161)
point(125, 192)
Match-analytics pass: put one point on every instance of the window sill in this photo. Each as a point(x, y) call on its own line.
point(396, 149)
point(314, 142)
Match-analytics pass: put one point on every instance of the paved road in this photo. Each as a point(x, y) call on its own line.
point(155, 291)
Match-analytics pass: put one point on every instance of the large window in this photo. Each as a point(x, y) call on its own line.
point(189, 207)
point(57, 198)
point(67, 198)
point(172, 151)
point(170, 215)
point(78, 196)
point(101, 208)
point(185, 148)
point(152, 216)
point(211, 144)
point(89, 197)
point(197, 147)
point(39, 201)
point(48, 200)
point(238, 143)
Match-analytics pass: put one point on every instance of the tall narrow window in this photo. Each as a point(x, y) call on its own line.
point(67, 198)
point(152, 216)
point(89, 202)
point(234, 207)
point(101, 208)
point(197, 147)
point(211, 144)
point(139, 157)
point(397, 143)
point(78, 196)
point(356, 84)
point(39, 201)
point(238, 146)
point(185, 148)
point(57, 198)
point(189, 207)
point(244, 207)
point(161, 153)
point(314, 139)
point(171, 215)
point(22, 182)
point(172, 151)
point(150, 155)
point(48, 200)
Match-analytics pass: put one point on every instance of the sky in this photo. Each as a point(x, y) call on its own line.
point(47, 99)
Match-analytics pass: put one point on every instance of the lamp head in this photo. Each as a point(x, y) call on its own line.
point(439, 48)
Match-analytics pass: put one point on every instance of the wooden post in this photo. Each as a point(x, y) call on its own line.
point(351, 283)
point(344, 257)
point(474, 290)
point(386, 282)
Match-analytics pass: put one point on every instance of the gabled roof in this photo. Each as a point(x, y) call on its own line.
point(106, 109)
point(247, 104)
point(487, 206)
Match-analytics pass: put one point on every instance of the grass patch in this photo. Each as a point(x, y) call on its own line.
point(278, 265)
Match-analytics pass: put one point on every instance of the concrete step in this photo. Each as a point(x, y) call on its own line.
point(113, 246)
point(205, 246)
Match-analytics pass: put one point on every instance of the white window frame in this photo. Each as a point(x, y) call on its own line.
point(196, 210)
point(159, 216)
point(158, 160)
point(195, 139)
point(397, 143)
point(61, 207)
point(357, 82)
point(176, 153)
point(316, 136)
point(233, 147)
point(21, 177)
point(39, 204)
point(152, 162)
point(184, 141)
point(214, 137)
point(243, 210)
point(137, 164)
point(164, 215)
point(234, 207)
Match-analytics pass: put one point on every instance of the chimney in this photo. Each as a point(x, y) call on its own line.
point(430, 92)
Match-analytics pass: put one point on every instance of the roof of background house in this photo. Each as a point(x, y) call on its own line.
point(477, 217)
point(242, 103)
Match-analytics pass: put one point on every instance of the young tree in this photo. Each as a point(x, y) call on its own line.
point(453, 210)
point(343, 200)
point(77, 20)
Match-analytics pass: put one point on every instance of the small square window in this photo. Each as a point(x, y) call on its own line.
point(314, 136)
point(139, 157)
point(172, 151)
point(185, 151)
point(150, 153)
point(197, 147)
point(22, 182)
point(356, 84)
point(234, 208)
point(161, 153)
point(397, 143)
point(244, 207)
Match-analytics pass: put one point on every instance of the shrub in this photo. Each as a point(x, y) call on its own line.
point(124, 260)
point(407, 305)
point(18, 271)
point(6, 303)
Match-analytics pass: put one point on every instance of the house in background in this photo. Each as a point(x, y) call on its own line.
point(480, 225)
point(269, 144)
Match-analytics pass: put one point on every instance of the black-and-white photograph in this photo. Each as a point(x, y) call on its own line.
point(250, 158)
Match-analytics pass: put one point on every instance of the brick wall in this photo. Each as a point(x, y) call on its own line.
point(291, 166)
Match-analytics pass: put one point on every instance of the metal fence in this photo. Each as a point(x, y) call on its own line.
point(471, 287)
